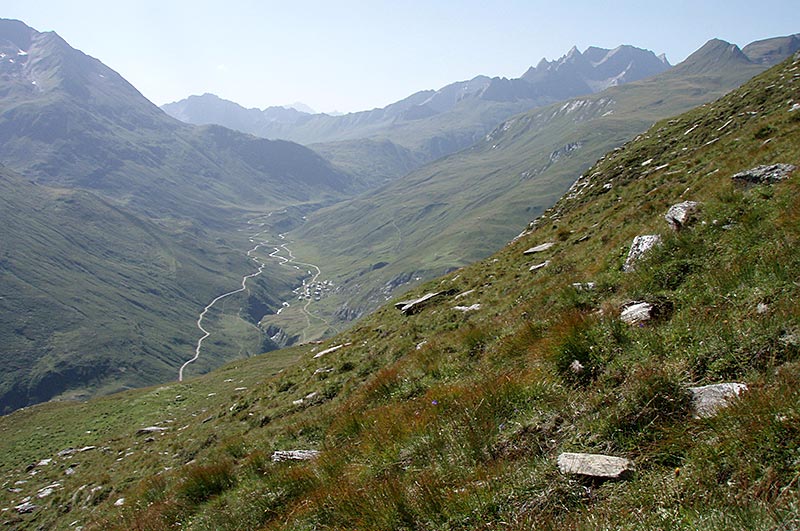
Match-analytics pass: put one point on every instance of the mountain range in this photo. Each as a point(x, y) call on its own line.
point(434, 123)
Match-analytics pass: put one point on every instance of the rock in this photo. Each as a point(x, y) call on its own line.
point(595, 465)
point(44, 492)
point(584, 286)
point(709, 399)
point(539, 248)
point(771, 174)
point(464, 294)
point(540, 266)
point(294, 455)
point(120, 502)
point(332, 349)
point(472, 308)
point(410, 307)
point(26, 507)
point(762, 308)
point(44, 462)
point(679, 215)
point(636, 312)
point(639, 247)
point(150, 429)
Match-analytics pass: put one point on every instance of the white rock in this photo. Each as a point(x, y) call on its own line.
point(639, 247)
point(584, 286)
point(539, 248)
point(540, 266)
point(709, 399)
point(150, 429)
point(294, 455)
point(472, 308)
point(678, 215)
point(120, 502)
point(594, 465)
point(636, 312)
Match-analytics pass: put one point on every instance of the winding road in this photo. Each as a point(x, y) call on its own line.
point(257, 244)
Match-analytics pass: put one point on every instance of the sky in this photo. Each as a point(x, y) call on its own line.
point(351, 55)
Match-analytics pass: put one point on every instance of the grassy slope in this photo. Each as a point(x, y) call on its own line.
point(463, 207)
point(450, 420)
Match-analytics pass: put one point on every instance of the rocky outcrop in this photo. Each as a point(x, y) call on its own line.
point(595, 465)
point(639, 247)
point(678, 216)
point(771, 174)
point(709, 399)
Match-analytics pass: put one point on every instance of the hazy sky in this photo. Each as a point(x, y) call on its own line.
point(351, 55)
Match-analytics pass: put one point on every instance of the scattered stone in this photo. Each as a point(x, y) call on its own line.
point(294, 455)
point(26, 507)
point(44, 462)
point(539, 248)
point(324, 370)
point(472, 308)
point(709, 399)
point(422, 344)
point(44, 492)
point(332, 349)
point(69, 471)
point(584, 286)
point(595, 465)
point(241, 389)
point(639, 247)
point(762, 308)
point(464, 294)
point(150, 429)
point(679, 215)
point(636, 312)
point(413, 306)
point(795, 107)
point(771, 174)
point(540, 266)
point(120, 502)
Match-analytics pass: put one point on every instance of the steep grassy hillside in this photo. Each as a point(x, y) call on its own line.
point(453, 419)
point(463, 207)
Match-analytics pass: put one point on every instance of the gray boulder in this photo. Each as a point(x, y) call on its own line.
point(679, 215)
point(765, 174)
point(709, 399)
point(595, 465)
point(639, 247)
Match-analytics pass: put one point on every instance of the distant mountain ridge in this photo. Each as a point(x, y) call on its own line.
point(433, 123)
